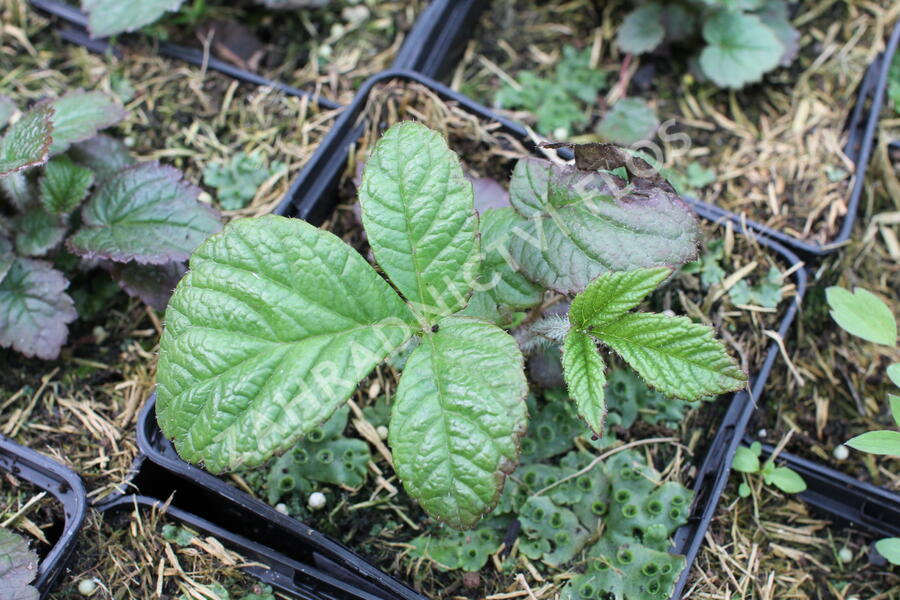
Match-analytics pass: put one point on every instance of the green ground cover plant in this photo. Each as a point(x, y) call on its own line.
point(739, 42)
point(292, 319)
point(75, 197)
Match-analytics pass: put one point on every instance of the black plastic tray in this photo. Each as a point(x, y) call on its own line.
point(296, 559)
point(861, 126)
point(68, 490)
point(852, 501)
point(314, 196)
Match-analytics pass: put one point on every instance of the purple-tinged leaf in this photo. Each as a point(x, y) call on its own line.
point(18, 568)
point(34, 309)
point(102, 154)
point(64, 185)
point(27, 142)
point(147, 214)
point(80, 115)
point(18, 190)
point(37, 231)
point(581, 224)
point(152, 284)
point(7, 110)
point(6, 256)
point(488, 194)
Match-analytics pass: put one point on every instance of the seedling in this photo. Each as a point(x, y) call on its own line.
point(746, 460)
point(630, 120)
point(277, 321)
point(766, 293)
point(743, 40)
point(863, 314)
point(139, 221)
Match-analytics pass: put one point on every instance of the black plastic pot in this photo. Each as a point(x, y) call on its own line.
point(297, 559)
point(314, 196)
point(68, 490)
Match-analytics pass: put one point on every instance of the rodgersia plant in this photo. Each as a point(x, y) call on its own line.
point(277, 321)
point(138, 220)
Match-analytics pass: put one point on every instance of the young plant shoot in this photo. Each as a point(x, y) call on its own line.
point(277, 321)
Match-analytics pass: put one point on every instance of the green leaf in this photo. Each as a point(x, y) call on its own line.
point(111, 17)
point(102, 154)
point(583, 369)
point(741, 49)
point(79, 115)
point(744, 490)
point(18, 190)
point(787, 480)
point(576, 229)
point(7, 109)
point(145, 213)
point(18, 568)
point(457, 419)
point(613, 294)
point(418, 211)
point(27, 142)
point(863, 314)
point(152, 284)
point(498, 278)
point(38, 231)
point(745, 460)
point(64, 185)
point(877, 442)
point(267, 335)
point(895, 408)
point(674, 355)
point(630, 120)
point(642, 30)
point(890, 549)
point(34, 309)
point(893, 373)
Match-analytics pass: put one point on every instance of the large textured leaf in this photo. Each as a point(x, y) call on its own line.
point(457, 419)
point(38, 231)
point(268, 333)
point(419, 214)
point(64, 185)
point(863, 314)
point(740, 50)
point(612, 295)
point(18, 190)
point(152, 284)
point(145, 213)
point(577, 229)
point(674, 355)
point(79, 115)
point(27, 142)
point(642, 30)
point(498, 278)
point(583, 369)
point(110, 17)
point(34, 309)
point(18, 568)
point(102, 154)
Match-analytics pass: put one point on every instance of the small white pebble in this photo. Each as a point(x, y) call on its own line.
point(337, 31)
point(382, 432)
point(355, 15)
point(852, 597)
point(87, 587)
point(762, 433)
point(282, 508)
point(129, 142)
point(845, 555)
point(205, 197)
point(841, 452)
point(560, 133)
point(669, 312)
point(316, 500)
